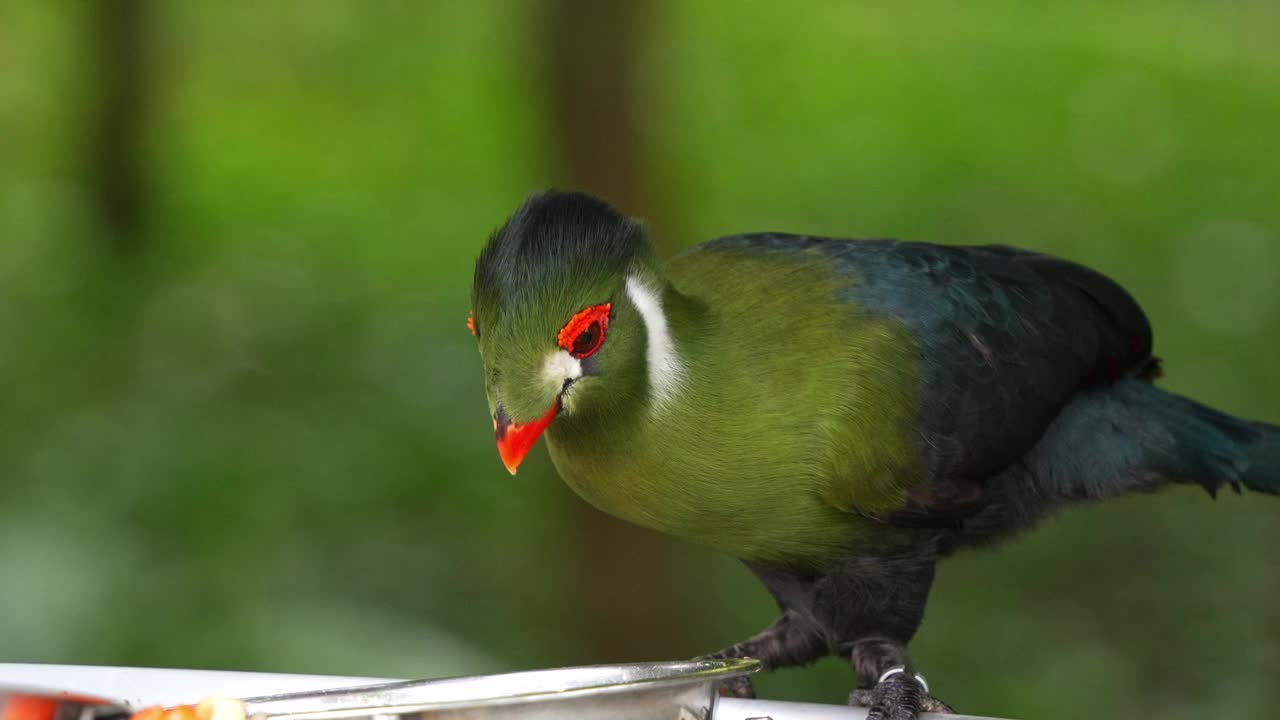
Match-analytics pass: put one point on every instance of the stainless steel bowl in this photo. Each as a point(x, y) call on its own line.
point(644, 691)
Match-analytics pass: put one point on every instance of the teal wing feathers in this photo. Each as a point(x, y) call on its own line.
point(1004, 338)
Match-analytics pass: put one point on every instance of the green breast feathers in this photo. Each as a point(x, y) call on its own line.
point(776, 417)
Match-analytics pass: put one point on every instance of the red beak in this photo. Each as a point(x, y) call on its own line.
point(515, 439)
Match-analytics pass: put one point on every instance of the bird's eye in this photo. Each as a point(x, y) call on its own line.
point(588, 340)
point(583, 335)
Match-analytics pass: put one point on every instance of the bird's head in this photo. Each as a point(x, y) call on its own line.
point(554, 312)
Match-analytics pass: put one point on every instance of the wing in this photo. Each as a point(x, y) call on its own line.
point(1004, 339)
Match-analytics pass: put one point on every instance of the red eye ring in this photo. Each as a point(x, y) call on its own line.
point(589, 325)
point(471, 323)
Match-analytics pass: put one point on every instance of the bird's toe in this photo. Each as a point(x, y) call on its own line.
point(738, 687)
point(897, 696)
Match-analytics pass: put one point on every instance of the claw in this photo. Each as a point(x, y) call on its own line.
point(897, 696)
point(738, 687)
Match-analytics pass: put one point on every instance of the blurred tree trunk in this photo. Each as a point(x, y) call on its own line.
point(589, 59)
point(117, 125)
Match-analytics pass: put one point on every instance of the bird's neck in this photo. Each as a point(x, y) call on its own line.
point(672, 321)
point(614, 455)
point(676, 328)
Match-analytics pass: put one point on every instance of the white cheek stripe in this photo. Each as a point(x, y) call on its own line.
point(561, 366)
point(666, 372)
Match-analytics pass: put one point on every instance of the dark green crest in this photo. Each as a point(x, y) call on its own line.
point(553, 240)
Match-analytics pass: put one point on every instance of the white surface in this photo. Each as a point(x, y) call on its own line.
point(737, 709)
point(140, 687)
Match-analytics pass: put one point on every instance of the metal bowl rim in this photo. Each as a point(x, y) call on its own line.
point(669, 674)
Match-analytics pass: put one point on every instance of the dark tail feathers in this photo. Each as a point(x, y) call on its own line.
point(1263, 473)
point(1120, 438)
point(1205, 446)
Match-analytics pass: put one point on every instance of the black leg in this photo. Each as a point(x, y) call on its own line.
point(892, 690)
point(864, 607)
point(792, 640)
point(788, 642)
point(785, 643)
point(874, 604)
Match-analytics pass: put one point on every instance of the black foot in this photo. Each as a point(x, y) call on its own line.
point(785, 643)
point(739, 687)
point(898, 696)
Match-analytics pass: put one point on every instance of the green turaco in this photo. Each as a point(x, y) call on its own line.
point(838, 414)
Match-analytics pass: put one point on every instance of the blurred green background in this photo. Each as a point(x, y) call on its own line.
point(243, 424)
